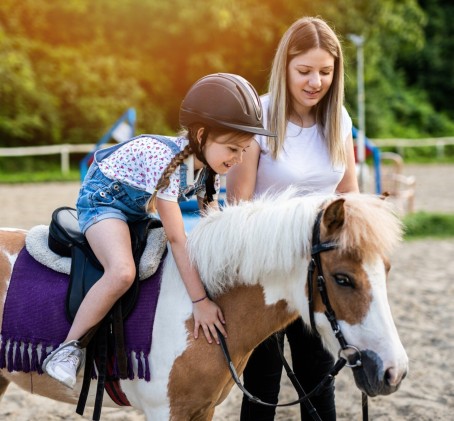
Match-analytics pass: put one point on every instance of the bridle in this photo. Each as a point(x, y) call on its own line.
point(314, 265)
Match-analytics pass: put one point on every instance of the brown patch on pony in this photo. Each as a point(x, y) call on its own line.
point(43, 385)
point(200, 378)
point(349, 304)
point(11, 242)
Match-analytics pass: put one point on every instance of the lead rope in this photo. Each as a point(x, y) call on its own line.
point(341, 362)
point(296, 384)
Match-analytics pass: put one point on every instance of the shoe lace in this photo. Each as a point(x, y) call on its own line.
point(68, 356)
point(73, 360)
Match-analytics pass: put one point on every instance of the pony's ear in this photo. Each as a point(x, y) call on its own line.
point(333, 217)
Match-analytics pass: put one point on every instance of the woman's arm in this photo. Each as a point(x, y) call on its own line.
point(206, 313)
point(349, 182)
point(242, 177)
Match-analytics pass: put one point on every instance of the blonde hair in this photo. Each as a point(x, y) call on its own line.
point(303, 35)
point(188, 150)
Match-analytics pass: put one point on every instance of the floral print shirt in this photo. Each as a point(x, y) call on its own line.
point(141, 161)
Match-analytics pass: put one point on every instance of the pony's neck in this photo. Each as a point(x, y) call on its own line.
point(249, 320)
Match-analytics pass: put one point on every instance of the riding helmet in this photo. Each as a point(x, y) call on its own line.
point(224, 100)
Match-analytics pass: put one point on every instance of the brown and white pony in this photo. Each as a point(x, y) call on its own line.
point(253, 258)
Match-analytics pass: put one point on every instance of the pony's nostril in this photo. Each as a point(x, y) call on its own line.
point(388, 377)
point(392, 377)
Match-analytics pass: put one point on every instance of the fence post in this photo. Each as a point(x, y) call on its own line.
point(64, 159)
point(440, 149)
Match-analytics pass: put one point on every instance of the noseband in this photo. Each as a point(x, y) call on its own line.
point(314, 265)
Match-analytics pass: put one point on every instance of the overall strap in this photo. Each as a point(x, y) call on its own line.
point(100, 154)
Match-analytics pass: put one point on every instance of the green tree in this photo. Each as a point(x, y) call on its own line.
point(69, 68)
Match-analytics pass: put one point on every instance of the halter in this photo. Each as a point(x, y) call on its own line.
point(315, 264)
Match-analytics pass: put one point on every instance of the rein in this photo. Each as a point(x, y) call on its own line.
point(315, 264)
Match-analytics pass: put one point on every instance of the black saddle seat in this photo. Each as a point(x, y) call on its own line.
point(64, 233)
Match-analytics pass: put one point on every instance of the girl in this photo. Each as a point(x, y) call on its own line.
point(314, 150)
point(221, 112)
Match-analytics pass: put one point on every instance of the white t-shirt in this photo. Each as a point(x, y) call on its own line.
point(304, 161)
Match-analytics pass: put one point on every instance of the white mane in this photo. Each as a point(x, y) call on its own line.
point(253, 239)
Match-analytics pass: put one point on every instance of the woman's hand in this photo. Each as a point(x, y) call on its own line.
point(207, 315)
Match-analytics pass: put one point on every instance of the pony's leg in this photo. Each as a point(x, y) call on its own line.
point(3, 386)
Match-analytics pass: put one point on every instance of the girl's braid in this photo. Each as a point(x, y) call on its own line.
point(164, 181)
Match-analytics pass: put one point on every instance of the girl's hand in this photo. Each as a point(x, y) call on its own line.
point(207, 315)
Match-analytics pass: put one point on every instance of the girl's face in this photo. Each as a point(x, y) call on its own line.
point(222, 152)
point(309, 77)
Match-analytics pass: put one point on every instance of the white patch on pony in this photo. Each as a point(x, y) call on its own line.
point(293, 290)
point(169, 341)
point(11, 257)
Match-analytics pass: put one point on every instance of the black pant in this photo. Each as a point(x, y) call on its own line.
point(311, 362)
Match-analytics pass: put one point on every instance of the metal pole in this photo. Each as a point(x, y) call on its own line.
point(360, 140)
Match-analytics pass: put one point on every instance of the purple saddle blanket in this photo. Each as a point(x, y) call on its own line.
point(34, 321)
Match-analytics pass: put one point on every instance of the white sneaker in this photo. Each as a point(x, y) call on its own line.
point(64, 363)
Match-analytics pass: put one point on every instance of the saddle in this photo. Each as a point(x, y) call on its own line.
point(66, 239)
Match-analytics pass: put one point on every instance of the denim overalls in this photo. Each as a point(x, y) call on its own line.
point(102, 198)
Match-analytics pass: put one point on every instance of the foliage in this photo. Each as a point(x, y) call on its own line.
point(70, 68)
point(432, 69)
point(424, 224)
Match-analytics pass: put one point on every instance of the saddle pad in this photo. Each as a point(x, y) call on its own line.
point(36, 243)
point(34, 321)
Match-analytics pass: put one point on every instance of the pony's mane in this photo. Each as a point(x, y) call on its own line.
point(272, 234)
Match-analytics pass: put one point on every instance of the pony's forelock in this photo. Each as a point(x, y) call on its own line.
point(371, 226)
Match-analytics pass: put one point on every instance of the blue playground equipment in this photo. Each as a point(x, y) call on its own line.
point(120, 131)
point(373, 150)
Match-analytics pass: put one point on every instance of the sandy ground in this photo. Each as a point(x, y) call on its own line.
point(421, 292)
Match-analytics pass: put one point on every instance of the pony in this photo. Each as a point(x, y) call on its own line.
point(254, 258)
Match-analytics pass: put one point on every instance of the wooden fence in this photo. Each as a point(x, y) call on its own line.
point(400, 144)
point(65, 150)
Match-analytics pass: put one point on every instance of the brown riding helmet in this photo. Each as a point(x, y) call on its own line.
point(224, 100)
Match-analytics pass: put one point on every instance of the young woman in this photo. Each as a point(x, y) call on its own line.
point(313, 150)
point(221, 113)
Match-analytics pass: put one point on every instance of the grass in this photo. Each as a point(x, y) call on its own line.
point(424, 224)
point(39, 176)
point(35, 170)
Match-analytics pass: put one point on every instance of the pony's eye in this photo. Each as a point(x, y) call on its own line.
point(343, 280)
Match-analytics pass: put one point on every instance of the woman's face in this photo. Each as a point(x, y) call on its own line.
point(309, 77)
point(224, 151)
